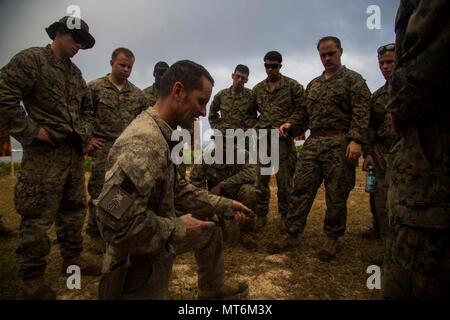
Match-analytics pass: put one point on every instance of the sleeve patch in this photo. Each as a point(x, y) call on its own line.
point(116, 202)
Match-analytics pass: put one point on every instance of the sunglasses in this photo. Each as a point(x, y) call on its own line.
point(388, 47)
point(77, 37)
point(272, 66)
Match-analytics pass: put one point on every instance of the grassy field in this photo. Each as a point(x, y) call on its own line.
point(295, 275)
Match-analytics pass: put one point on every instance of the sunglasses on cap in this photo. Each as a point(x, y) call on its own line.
point(272, 66)
point(388, 47)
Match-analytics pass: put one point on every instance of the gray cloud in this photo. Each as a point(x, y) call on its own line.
point(217, 34)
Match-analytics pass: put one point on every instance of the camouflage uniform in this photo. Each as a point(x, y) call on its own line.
point(417, 257)
point(152, 95)
point(113, 112)
point(50, 186)
point(136, 216)
point(236, 111)
point(381, 137)
point(276, 108)
point(336, 110)
point(238, 183)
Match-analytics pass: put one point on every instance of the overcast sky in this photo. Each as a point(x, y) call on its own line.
point(215, 33)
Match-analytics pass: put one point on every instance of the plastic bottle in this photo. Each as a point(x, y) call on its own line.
point(371, 182)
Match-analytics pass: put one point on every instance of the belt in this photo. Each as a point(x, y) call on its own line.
point(326, 132)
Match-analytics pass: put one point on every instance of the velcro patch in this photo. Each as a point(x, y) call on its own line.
point(116, 202)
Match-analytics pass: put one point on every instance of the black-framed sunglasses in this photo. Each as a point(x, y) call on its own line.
point(388, 47)
point(272, 66)
point(77, 37)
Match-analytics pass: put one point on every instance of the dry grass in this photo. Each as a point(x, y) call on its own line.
point(295, 275)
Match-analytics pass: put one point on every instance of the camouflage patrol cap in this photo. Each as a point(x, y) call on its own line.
point(81, 33)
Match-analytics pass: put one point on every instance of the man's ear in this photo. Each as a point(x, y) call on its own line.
point(178, 91)
point(111, 62)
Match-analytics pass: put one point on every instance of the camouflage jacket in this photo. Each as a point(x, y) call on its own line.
point(136, 209)
point(114, 109)
point(236, 111)
point(277, 107)
point(232, 176)
point(419, 92)
point(381, 133)
point(338, 103)
point(53, 93)
point(152, 95)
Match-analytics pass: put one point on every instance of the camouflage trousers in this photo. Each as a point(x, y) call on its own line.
point(49, 189)
point(417, 255)
point(378, 203)
point(95, 186)
point(147, 276)
point(287, 160)
point(322, 160)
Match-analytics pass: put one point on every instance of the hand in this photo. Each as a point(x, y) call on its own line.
point(95, 144)
point(217, 190)
point(239, 211)
point(285, 128)
point(194, 227)
point(353, 151)
point(43, 136)
point(368, 162)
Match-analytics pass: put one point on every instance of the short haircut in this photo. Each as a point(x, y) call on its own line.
point(336, 40)
point(125, 51)
point(243, 69)
point(188, 73)
point(273, 56)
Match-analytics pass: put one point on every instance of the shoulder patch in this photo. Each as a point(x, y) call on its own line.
point(116, 202)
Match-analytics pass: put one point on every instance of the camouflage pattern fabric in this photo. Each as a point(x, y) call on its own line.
point(276, 108)
point(50, 186)
point(236, 111)
point(136, 211)
point(151, 94)
point(417, 259)
point(113, 112)
point(338, 104)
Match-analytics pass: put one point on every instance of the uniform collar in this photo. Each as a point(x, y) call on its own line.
point(55, 61)
point(108, 84)
point(166, 130)
point(279, 86)
point(336, 75)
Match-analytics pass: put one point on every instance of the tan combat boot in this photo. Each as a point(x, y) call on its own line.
point(231, 290)
point(329, 249)
point(87, 268)
point(37, 289)
point(287, 242)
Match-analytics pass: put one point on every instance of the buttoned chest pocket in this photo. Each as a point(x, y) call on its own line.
point(51, 89)
point(337, 96)
point(106, 112)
